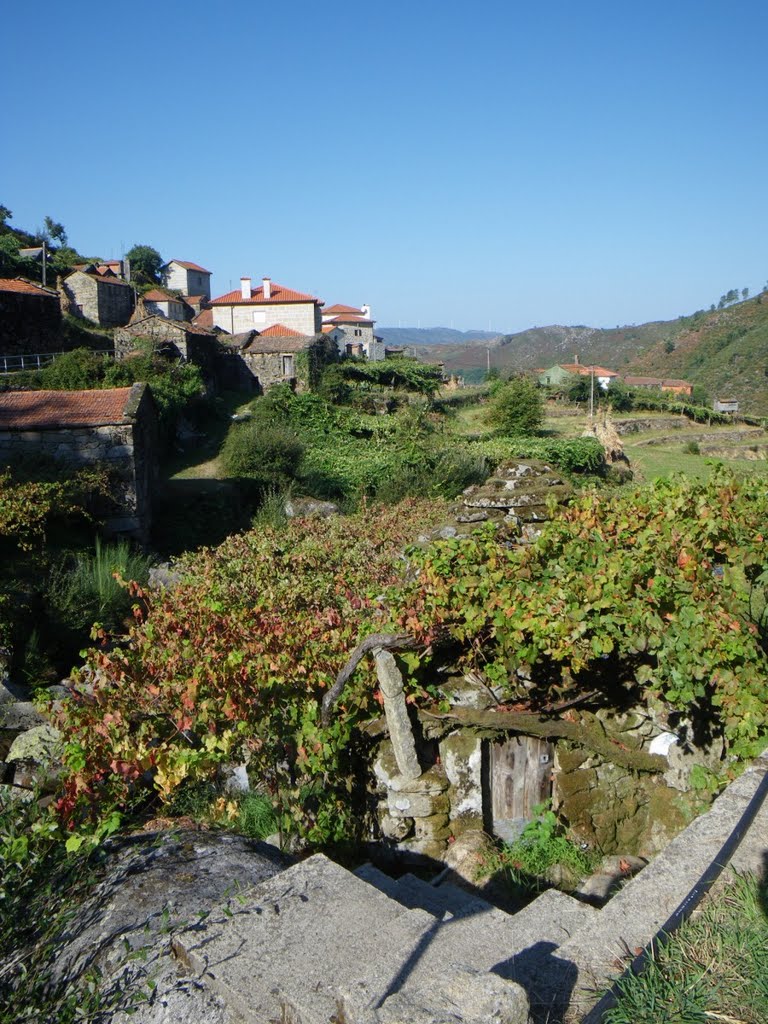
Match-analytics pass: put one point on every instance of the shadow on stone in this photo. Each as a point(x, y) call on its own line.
point(548, 980)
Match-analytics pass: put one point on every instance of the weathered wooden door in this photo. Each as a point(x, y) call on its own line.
point(521, 777)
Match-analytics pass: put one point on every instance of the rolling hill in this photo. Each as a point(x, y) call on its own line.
point(726, 351)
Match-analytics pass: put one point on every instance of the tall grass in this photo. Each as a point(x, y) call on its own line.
point(87, 588)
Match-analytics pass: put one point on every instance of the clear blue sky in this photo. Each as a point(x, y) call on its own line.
point(497, 164)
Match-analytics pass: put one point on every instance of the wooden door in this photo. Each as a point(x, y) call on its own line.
point(521, 777)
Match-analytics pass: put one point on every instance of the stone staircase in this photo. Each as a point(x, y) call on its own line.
point(317, 944)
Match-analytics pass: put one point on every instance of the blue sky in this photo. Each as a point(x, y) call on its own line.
point(495, 165)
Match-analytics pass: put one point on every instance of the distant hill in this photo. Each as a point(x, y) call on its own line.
point(726, 351)
point(433, 336)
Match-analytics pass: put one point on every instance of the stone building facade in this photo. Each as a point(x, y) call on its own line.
point(266, 306)
point(161, 303)
point(30, 318)
point(105, 300)
point(352, 330)
point(178, 339)
point(188, 278)
point(115, 427)
point(277, 356)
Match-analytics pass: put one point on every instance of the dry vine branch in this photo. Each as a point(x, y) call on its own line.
point(375, 641)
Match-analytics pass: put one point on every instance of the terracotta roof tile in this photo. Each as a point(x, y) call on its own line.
point(204, 318)
point(278, 345)
point(350, 319)
point(278, 294)
point(280, 331)
point(29, 410)
point(158, 295)
point(8, 284)
point(339, 307)
point(189, 266)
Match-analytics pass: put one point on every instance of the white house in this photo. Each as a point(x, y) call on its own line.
point(263, 307)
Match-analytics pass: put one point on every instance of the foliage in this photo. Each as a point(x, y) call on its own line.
point(543, 845)
point(40, 882)
point(645, 596)
point(55, 230)
point(679, 985)
point(399, 373)
point(27, 508)
point(517, 407)
point(233, 662)
point(146, 265)
point(269, 453)
point(175, 386)
point(86, 588)
point(575, 455)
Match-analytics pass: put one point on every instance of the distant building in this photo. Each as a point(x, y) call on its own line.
point(267, 306)
point(563, 374)
point(159, 302)
point(188, 278)
point(726, 405)
point(261, 360)
point(352, 330)
point(667, 384)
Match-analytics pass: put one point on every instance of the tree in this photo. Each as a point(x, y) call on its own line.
point(146, 264)
point(5, 215)
point(745, 293)
point(517, 407)
point(55, 231)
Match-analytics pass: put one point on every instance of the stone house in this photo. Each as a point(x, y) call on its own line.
point(174, 338)
point(277, 355)
point(670, 385)
point(102, 298)
point(267, 306)
point(352, 330)
point(159, 302)
point(30, 318)
point(726, 405)
point(115, 427)
point(188, 278)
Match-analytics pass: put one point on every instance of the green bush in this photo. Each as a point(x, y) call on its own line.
point(517, 407)
point(269, 453)
point(78, 370)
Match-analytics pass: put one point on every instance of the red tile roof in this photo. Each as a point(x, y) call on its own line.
point(327, 328)
point(189, 266)
point(29, 410)
point(158, 295)
point(341, 308)
point(278, 295)
point(280, 331)
point(204, 318)
point(349, 319)
point(10, 284)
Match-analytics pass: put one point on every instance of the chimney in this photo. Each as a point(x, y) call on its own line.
point(267, 287)
point(245, 287)
point(366, 310)
point(576, 358)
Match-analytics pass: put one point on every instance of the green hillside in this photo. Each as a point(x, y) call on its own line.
point(725, 351)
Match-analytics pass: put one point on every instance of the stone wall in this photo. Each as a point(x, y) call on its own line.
point(29, 323)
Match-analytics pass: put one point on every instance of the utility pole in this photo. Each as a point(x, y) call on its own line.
point(45, 260)
point(592, 392)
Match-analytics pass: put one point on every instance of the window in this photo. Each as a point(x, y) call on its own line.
point(358, 332)
point(288, 366)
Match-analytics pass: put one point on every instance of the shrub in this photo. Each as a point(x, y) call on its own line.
point(78, 370)
point(269, 453)
point(517, 407)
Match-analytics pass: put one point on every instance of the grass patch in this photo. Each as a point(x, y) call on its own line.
point(715, 968)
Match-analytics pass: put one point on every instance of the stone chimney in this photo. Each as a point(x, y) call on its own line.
point(245, 287)
point(267, 287)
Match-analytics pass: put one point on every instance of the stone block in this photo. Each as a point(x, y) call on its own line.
point(416, 805)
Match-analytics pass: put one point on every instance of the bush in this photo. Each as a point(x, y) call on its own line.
point(517, 407)
point(78, 370)
point(269, 453)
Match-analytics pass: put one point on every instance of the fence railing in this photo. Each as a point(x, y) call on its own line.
point(37, 360)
